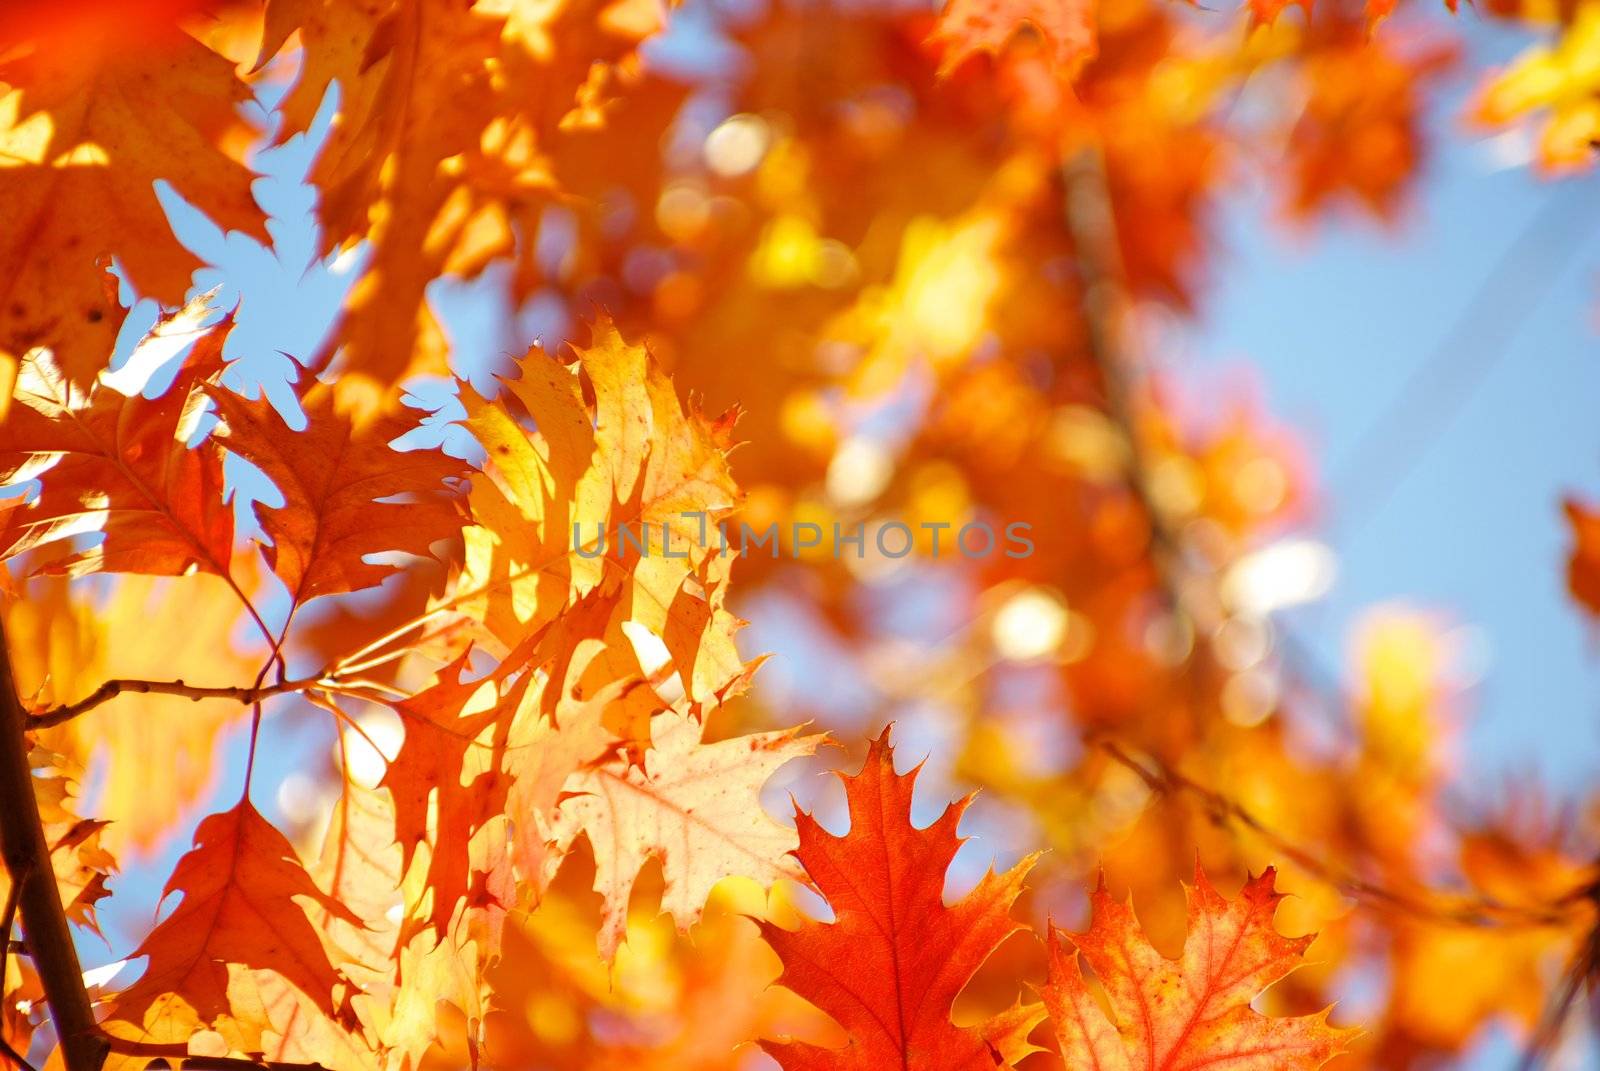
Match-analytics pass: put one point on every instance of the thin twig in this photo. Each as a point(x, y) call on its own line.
point(12, 896)
point(1583, 971)
point(177, 1053)
point(1485, 912)
point(14, 1056)
point(113, 688)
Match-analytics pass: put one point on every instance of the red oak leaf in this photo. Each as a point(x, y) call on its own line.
point(897, 957)
point(1168, 1015)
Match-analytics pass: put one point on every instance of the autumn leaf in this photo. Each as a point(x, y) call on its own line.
point(415, 92)
point(450, 113)
point(1265, 12)
point(446, 781)
point(349, 495)
point(1558, 82)
point(892, 964)
point(968, 27)
point(114, 462)
point(1583, 567)
point(82, 865)
point(407, 978)
point(694, 806)
point(595, 686)
point(244, 901)
point(87, 130)
point(1360, 133)
point(552, 508)
point(1191, 1012)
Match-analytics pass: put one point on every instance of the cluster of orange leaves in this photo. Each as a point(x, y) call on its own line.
point(878, 222)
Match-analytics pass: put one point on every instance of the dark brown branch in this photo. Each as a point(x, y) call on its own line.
point(14, 1056)
point(228, 1063)
point(11, 1054)
point(12, 894)
point(1582, 973)
point(177, 1055)
point(27, 859)
point(113, 688)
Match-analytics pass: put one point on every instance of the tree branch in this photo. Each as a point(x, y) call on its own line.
point(27, 859)
point(177, 1055)
point(113, 688)
point(1092, 225)
point(5, 955)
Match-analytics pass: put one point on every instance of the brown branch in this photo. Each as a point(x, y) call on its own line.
point(12, 894)
point(14, 1056)
point(113, 688)
point(10, 1053)
point(229, 1063)
point(1485, 912)
point(27, 859)
point(1091, 223)
point(1583, 971)
point(177, 1054)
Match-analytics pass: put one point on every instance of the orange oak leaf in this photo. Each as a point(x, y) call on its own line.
point(694, 806)
point(82, 864)
point(1266, 12)
point(1191, 1012)
point(348, 494)
point(446, 146)
point(404, 988)
point(1583, 567)
point(1361, 133)
point(446, 780)
point(593, 676)
point(112, 461)
point(479, 748)
point(87, 130)
point(968, 27)
point(897, 957)
point(245, 901)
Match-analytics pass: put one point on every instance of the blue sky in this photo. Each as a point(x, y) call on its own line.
point(1457, 509)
